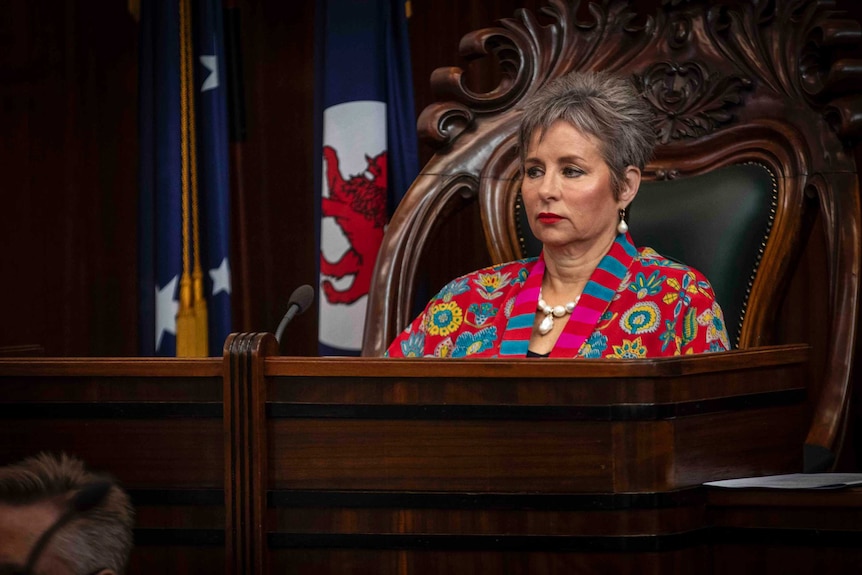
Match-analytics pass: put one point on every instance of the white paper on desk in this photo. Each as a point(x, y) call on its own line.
point(793, 481)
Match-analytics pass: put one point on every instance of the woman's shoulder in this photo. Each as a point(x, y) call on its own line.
point(648, 257)
point(494, 278)
point(669, 272)
point(507, 268)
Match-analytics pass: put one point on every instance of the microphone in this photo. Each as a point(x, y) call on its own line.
point(299, 301)
point(90, 496)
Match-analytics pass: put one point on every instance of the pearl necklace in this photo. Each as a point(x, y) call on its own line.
point(551, 312)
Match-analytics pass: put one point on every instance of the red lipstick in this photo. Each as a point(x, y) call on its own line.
point(549, 218)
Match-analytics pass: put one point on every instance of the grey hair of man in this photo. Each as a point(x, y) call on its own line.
point(101, 537)
point(602, 105)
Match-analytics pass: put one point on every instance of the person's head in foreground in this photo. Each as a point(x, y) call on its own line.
point(584, 140)
point(58, 518)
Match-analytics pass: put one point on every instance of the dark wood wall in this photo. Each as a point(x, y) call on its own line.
point(68, 162)
point(68, 166)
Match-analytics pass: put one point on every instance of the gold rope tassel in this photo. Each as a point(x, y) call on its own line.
point(185, 318)
point(201, 342)
point(188, 323)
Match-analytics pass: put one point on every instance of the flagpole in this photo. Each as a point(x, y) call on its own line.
point(199, 305)
point(185, 314)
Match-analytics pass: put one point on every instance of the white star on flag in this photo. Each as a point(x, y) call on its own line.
point(221, 277)
point(166, 310)
point(211, 81)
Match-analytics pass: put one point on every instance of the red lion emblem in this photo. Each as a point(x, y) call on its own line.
point(359, 208)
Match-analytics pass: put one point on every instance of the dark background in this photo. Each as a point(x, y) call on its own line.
point(69, 156)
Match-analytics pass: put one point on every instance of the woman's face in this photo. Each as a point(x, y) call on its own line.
point(567, 189)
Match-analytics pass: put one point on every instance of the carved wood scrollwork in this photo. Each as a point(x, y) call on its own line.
point(528, 53)
point(679, 31)
point(689, 100)
point(789, 47)
point(793, 47)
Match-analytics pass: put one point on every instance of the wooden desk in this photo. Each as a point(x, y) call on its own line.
point(424, 466)
point(785, 531)
point(255, 463)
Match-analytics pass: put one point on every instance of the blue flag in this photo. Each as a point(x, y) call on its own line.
point(368, 150)
point(183, 179)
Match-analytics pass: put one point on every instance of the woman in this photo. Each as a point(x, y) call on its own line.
point(584, 140)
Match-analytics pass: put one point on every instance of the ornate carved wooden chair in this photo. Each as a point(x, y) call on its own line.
point(756, 114)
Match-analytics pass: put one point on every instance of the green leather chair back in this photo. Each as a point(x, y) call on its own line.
point(716, 222)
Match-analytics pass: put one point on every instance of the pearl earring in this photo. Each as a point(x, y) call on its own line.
point(622, 227)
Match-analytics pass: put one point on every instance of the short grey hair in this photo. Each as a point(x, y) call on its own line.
point(603, 105)
point(101, 538)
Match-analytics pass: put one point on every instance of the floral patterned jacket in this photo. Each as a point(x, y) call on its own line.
point(637, 304)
